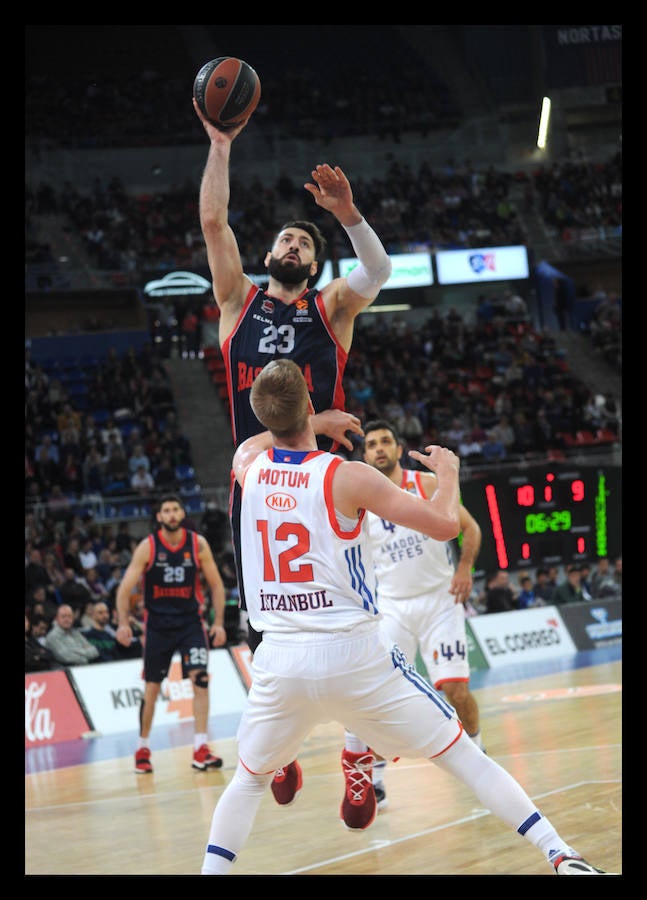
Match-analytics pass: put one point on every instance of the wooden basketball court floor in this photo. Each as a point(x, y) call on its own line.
point(557, 727)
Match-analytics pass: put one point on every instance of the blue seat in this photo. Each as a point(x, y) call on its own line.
point(194, 504)
point(101, 416)
point(185, 473)
point(189, 489)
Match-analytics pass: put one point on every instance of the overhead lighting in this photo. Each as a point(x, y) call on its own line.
point(544, 119)
point(387, 307)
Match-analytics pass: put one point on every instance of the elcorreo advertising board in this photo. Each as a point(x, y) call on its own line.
point(408, 270)
point(594, 624)
point(482, 264)
point(526, 635)
point(112, 692)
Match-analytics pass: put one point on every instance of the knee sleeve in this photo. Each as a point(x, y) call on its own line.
point(202, 679)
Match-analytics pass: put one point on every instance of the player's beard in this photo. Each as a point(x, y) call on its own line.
point(171, 527)
point(386, 465)
point(288, 273)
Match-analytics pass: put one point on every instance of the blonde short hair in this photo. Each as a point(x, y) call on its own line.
point(280, 398)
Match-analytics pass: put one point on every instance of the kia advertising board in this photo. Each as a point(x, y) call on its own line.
point(527, 635)
point(112, 692)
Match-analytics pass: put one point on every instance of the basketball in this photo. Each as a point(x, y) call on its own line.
point(227, 90)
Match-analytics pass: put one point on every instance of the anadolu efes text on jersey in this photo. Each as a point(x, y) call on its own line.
point(304, 568)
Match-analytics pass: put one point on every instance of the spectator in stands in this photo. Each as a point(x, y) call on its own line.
point(527, 597)
point(503, 432)
point(410, 427)
point(40, 625)
point(585, 580)
point(138, 458)
point(570, 590)
point(164, 475)
point(617, 572)
point(68, 645)
point(498, 595)
point(71, 554)
point(492, 449)
point(37, 657)
point(47, 461)
point(75, 592)
point(116, 471)
point(85, 619)
point(37, 600)
point(142, 482)
point(515, 306)
point(69, 418)
point(603, 581)
point(96, 585)
point(94, 468)
point(111, 434)
point(35, 572)
point(71, 475)
point(543, 588)
point(455, 435)
point(107, 560)
point(101, 634)
point(112, 583)
point(87, 555)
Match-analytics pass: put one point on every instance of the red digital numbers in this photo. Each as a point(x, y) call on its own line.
point(577, 490)
point(525, 495)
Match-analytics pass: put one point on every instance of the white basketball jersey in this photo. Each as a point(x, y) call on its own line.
point(408, 563)
point(302, 569)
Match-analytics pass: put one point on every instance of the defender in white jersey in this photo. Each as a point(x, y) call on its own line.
point(421, 590)
point(309, 588)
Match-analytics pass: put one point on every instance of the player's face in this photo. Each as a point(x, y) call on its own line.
point(292, 258)
point(381, 450)
point(171, 516)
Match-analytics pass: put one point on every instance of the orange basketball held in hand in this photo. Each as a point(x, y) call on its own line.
point(227, 90)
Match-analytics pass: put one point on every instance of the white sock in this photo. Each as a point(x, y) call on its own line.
point(142, 742)
point(233, 819)
point(499, 792)
point(379, 767)
point(354, 744)
point(199, 740)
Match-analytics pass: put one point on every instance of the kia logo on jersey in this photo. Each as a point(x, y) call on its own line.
point(280, 501)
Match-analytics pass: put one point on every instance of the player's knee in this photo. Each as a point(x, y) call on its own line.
point(201, 679)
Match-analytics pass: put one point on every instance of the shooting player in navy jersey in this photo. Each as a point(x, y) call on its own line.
point(286, 321)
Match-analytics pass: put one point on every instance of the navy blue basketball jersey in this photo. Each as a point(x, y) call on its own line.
point(268, 329)
point(172, 586)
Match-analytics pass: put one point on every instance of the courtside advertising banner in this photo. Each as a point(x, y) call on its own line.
point(52, 710)
point(526, 635)
point(594, 624)
point(112, 692)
